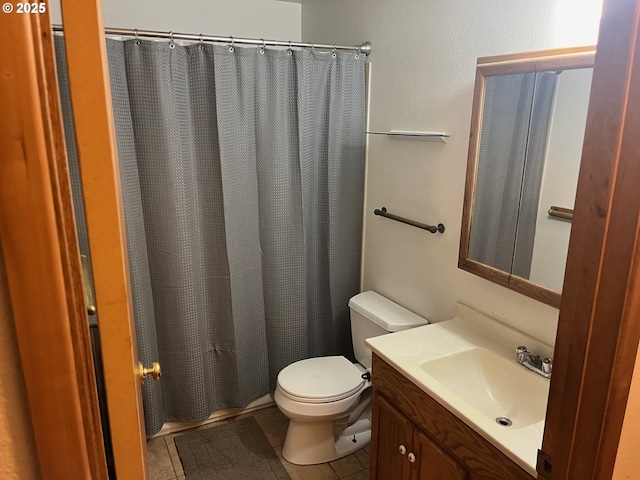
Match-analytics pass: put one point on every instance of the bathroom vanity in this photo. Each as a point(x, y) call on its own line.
point(451, 402)
point(416, 438)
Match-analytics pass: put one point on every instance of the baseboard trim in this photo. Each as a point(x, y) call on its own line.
point(217, 416)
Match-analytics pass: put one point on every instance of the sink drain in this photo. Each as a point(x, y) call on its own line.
point(504, 421)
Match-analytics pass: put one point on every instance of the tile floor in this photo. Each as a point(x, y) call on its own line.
point(164, 463)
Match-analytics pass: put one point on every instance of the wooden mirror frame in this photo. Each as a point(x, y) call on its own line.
point(557, 59)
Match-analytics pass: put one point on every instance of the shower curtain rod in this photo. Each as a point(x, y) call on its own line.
point(364, 48)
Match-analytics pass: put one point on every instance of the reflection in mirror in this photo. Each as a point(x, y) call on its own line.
point(526, 142)
point(515, 123)
point(560, 176)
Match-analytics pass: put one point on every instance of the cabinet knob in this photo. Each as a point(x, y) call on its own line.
point(402, 449)
point(411, 457)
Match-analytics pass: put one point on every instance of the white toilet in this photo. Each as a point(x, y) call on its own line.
point(328, 399)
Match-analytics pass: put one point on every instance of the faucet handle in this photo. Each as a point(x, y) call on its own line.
point(521, 351)
point(547, 365)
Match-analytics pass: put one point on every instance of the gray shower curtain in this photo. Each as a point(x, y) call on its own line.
point(242, 175)
point(513, 141)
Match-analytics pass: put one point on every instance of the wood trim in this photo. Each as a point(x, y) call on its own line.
point(41, 252)
point(558, 53)
point(485, 271)
point(507, 68)
point(95, 138)
point(571, 58)
point(584, 60)
point(462, 443)
point(472, 165)
point(530, 65)
point(537, 292)
point(512, 282)
point(598, 330)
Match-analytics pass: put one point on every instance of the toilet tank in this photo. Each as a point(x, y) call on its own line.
point(373, 315)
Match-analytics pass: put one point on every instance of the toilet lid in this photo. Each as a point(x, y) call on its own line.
point(321, 379)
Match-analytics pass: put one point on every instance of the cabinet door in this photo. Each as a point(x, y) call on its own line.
point(433, 463)
point(393, 434)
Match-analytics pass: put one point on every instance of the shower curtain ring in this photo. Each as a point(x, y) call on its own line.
point(289, 50)
point(201, 46)
point(333, 53)
point(264, 46)
point(171, 44)
point(231, 44)
point(136, 36)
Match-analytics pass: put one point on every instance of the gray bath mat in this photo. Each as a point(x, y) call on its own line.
point(238, 450)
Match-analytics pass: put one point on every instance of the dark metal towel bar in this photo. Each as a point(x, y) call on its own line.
point(559, 212)
point(383, 212)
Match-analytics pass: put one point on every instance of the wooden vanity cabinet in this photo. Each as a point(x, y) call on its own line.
point(416, 438)
point(405, 453)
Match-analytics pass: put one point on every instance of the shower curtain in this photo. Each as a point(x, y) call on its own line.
point(513, 142)
point(242, 175)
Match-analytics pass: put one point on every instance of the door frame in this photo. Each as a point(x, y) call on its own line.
point(92, 109)
point(598, 327)
point(597, 336)
point(40, 247)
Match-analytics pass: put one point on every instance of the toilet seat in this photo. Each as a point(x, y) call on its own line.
point(320, 380)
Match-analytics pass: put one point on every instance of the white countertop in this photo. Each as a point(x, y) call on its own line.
point(407, 350)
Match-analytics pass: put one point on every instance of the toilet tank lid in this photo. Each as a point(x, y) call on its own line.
point(387, 314)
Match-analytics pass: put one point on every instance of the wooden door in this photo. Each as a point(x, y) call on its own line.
point(432, 462)
point(39, 243)
point(392, 434)
point(40, 248)
point(95, 139)
point(598, 328)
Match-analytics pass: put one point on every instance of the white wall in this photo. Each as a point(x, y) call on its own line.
point(269, 19)
point(423, 66)
point(560, 177)
point(627, 464)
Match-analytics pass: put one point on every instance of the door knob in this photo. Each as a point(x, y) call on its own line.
point(154, 372)
point(402, 449)
point(411, 457)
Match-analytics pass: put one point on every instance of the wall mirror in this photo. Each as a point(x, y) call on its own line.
point(527, 130)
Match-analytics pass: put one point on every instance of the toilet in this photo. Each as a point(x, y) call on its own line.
point(328, 399)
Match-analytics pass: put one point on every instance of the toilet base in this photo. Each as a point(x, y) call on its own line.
point(309, 443)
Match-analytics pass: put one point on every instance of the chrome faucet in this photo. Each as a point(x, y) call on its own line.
point(534, 362)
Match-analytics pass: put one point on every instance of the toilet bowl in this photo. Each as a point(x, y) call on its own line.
point(328, 399)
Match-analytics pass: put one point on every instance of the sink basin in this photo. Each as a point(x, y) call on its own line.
point(496, 387)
